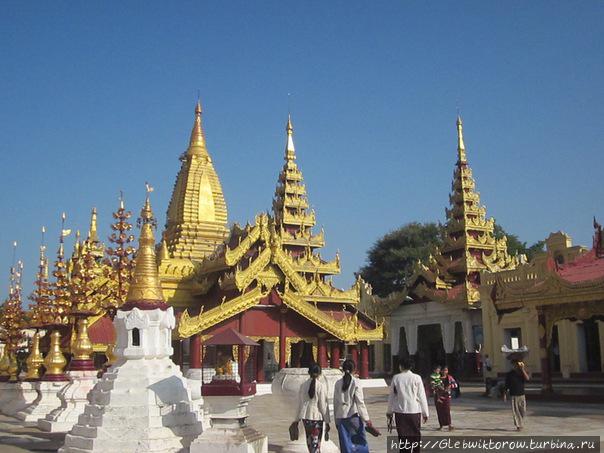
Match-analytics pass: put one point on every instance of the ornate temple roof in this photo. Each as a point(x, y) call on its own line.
point(469, 246)
point(197, 214)
point(277, 254)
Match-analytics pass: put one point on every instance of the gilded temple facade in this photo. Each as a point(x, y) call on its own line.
point(266, 280)
point(437, 318)
point(553, 304)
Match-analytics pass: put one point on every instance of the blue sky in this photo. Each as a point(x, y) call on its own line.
point(98, 97)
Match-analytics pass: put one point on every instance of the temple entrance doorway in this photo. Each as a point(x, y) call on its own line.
point(301, 354)
point(430, 349)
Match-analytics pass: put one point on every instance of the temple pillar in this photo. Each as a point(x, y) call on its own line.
point(354, 353)
point(282, 351)
point(364, 365)
point(322, 351)
point(336, 351)
point(260, 362)
point(546, 376)
point(195, 351)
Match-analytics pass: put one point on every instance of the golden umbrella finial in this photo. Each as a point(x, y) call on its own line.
point(197, 143)
point(145, 284)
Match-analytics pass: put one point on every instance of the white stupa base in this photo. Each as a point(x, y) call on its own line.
point(285, 389)
point(194, 378)
point(139, 405)
point(46, 401)
point(19, 395)
point(73, 399)
point(228, 432)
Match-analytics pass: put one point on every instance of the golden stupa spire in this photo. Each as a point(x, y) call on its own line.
point(290, 150)
point(197, 214)
point(145, 285)
point(461, 147)
point(197, 143)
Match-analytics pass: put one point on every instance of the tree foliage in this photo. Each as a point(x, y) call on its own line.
point(390, 260)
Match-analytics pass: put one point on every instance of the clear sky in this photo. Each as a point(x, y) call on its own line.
point(97, 97)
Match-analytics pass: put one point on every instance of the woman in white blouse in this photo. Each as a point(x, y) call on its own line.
point(313, 409)
point(350, 412)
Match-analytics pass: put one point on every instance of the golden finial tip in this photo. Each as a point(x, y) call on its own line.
point(198, 107)
point(63, 216)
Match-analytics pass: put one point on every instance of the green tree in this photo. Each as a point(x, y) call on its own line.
point(390, 260)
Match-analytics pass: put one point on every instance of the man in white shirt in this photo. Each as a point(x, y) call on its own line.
point(407, 401)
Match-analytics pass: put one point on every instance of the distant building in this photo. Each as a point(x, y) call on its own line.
point(554, 305)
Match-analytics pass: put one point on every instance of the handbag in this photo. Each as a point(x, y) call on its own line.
point(294, 433)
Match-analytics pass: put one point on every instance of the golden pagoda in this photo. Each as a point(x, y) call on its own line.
point(453, 273)
point(269, 282)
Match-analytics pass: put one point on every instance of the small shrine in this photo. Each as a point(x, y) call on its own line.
point(227, 393)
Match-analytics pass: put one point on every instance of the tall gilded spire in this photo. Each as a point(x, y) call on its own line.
point(93, 230)
point(197, 214)
point(145, 285)
point(290, 203)
point(290, 150)
point(197, 143)
point(461, 147)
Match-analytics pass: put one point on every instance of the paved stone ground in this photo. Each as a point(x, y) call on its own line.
point(472, 415)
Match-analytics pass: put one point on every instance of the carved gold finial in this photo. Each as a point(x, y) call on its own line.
point(461, 147)
point(55, 360)
point(145, 284)
point(34, 360)
point(82, 348)
point(197, 143)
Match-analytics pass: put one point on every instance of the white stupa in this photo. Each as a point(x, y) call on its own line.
point(142, 403)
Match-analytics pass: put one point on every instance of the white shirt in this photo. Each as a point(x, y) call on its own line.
point(350, 402)
point(410, 396)
point(316, 408)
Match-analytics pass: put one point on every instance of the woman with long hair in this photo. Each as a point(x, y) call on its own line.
point(313, 409)
point(350, 412)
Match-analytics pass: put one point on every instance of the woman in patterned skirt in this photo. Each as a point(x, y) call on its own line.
point(313, 409)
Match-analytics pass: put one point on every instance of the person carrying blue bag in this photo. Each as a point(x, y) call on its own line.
point(352, 418)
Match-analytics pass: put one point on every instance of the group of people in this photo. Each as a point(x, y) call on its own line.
point(407, 405)
point(351, 416)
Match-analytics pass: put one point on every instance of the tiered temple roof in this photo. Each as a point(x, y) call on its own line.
point(453, 273)
point(276, 260)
